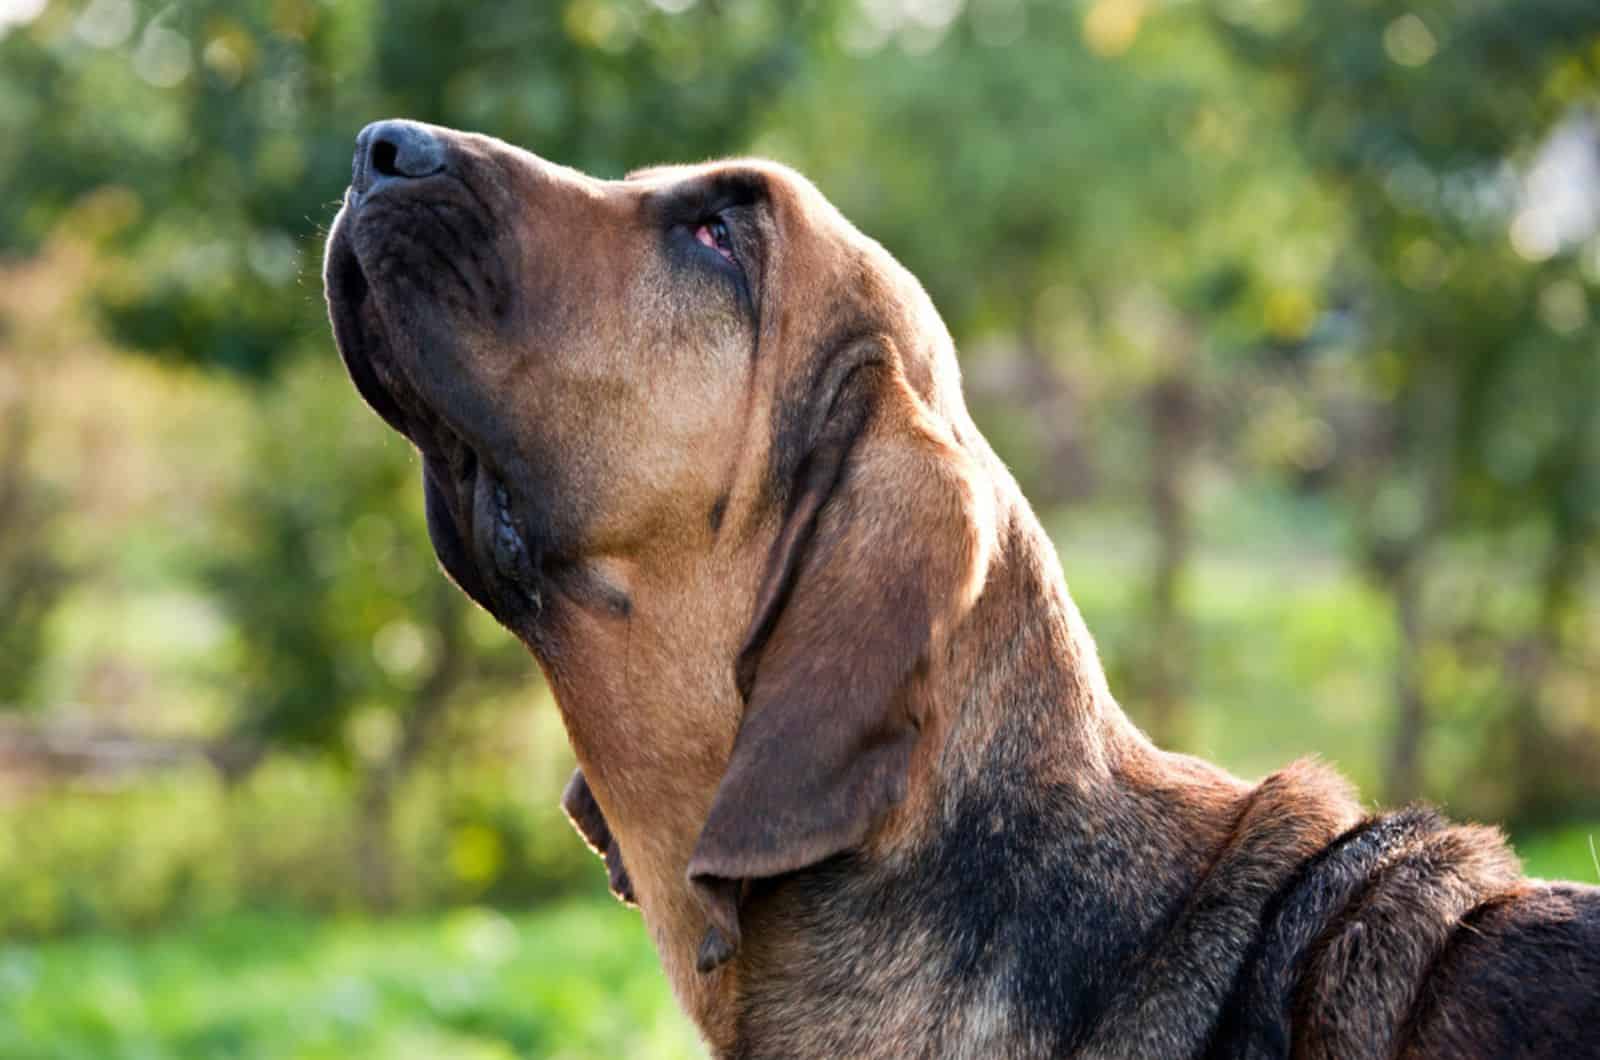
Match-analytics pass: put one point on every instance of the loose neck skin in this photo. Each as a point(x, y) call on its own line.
point(650, 706)
point(1020, 728)
point(1044, 844)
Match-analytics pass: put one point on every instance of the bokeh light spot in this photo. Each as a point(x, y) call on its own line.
point(163, 57)
point(1110, 26)
point(105, 23)
point(1409, 41)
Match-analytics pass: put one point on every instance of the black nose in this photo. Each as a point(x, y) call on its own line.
point(396, 150)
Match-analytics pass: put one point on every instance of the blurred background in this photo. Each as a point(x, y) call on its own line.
point(1285, 314)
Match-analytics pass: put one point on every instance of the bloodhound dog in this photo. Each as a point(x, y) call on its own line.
point(842, 734)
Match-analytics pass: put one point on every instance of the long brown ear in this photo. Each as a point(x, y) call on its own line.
point(584, 813)
point(877, 546)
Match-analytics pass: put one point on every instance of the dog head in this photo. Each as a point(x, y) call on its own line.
point(698, 402)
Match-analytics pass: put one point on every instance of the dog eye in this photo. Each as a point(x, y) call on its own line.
point(714, 234)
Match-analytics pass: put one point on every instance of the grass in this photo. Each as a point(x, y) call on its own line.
point(577, 980)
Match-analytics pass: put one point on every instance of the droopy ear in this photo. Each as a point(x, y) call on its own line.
point(584, 813)
point(876, 551)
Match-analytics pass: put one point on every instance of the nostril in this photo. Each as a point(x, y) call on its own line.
point(396, 149)
point(384, 157)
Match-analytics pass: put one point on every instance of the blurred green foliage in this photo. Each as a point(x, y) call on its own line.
point(283, 840)
point(1284, 314)
point(570, 981)
point(218, 133)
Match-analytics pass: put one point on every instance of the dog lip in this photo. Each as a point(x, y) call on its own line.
point(437, 233)
point(349, 294)
point(445, 529)
point(472, 513)
point(501, 541)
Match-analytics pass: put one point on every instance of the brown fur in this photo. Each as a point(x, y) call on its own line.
point(841, 732)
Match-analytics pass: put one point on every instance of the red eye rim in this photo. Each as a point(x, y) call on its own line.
point(714, 234)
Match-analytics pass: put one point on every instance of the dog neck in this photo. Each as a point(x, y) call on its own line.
point(1043, 839)
point(648, 700)
point(1034, 809)
point(1059, 886)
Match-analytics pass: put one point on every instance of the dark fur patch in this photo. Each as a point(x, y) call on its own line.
point(694, 200)
point(1002, 911)
point(1010, 896)
point(1518, 979)
point(718, 509)
point(1256, 1018)
point(1367, 969)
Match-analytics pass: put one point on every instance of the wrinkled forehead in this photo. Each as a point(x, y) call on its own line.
point(741, 181)
point(840, 273)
